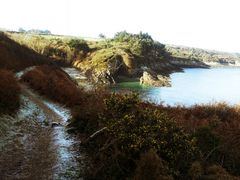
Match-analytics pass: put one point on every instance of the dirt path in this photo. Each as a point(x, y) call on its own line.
point(48, 112)
point(37, 150)
point(67, 165)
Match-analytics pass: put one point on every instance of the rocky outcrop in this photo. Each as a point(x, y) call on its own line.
point(105, 69)
point(103, 77)
point(184, 63)
point(152, 79)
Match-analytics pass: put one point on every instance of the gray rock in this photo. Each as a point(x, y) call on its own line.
point(152, 79)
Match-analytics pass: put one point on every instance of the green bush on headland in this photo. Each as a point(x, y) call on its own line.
point(78, 44)
point(140, 44)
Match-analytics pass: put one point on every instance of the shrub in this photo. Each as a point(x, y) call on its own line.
point(133, 128)
point(140, 44)
point(55, 53)
point(216, 130)
point(138, 127)
point(217, 172)
point(79, 44)
point(185, 140)
point(86, 117)
point(9, 92)
point(152, 167)
point(196, 170)
point(208, 143)
point(54, 83)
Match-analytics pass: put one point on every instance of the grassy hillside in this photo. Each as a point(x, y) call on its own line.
point(104, 61)
point(61, 48)
point(14, 56)
point(206, 56)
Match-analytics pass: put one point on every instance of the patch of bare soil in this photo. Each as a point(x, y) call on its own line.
point(27, 150)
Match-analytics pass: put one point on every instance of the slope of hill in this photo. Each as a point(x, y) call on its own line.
point(106, 61)
point(14, 56)
point(210, 57)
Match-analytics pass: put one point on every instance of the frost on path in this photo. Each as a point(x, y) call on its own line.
point(26, 147)
point(31, 149)
point(68, 157)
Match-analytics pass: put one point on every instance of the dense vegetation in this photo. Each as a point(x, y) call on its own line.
point(9, 92)
point(128, 138)
point(140, 44)
point(53, 83)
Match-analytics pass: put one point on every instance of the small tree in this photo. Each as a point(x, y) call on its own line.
point(78, 44)
point(140, 44)
point(151, 166)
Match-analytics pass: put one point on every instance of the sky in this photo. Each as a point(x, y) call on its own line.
point(208, 24)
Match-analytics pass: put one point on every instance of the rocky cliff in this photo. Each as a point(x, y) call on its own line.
point(152, 79)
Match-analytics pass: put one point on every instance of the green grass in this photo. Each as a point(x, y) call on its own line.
point(100, 51)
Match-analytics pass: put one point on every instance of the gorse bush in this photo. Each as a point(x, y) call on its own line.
point(130, 139)
point(133, 128)
point(216, 129)
point(138, 128)
point(9, 92)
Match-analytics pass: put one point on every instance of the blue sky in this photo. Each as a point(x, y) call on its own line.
point(209, 24)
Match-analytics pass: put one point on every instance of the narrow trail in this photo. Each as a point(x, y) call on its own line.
point(49, 113)
point(67, 165)
point(34, 143)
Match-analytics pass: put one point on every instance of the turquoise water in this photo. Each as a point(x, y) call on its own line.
point(194, 86)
